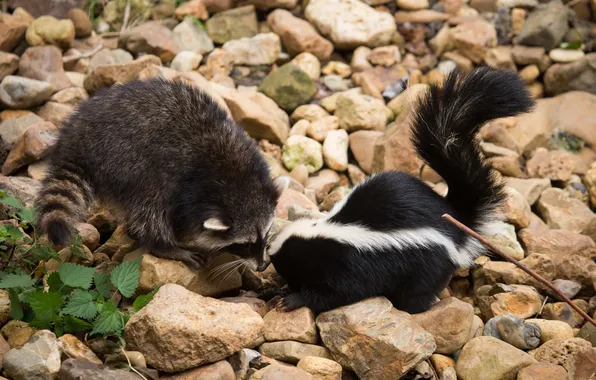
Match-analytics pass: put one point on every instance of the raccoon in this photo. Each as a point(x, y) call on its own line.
point(388, 237)
point(186, 180)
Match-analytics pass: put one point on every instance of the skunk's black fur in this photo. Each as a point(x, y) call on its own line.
point(388, 238)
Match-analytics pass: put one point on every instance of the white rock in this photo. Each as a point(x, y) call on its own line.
point(309, 64)
point(503, 236)
point(566, 55)
point(335, 150)
point(186, 61)
point(262, 49)
point(38, 359)
point(20, 92)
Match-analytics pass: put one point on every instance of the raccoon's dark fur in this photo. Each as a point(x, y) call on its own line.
point(184, 177)
point(388, 238)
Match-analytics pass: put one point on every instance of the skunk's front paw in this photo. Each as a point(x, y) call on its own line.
point(290, 303)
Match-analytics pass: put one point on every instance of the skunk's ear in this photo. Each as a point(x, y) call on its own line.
point(215, 224)
point(281, 184)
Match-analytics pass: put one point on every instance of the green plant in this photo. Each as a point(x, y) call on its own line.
point(74, 298)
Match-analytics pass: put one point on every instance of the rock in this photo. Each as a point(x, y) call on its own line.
point(488, 358)
point(552, 329)
point(394, 150)
point(356, 112)
point(108, 75)
point(560, 211)
point(289, 87)
point(191, 37)
point(22, 188)
point(9, 63)
point(12, 31)
point(579, 75)
point(500, 58)
point(588, 332)
point(156, 272)
point(423, 16)
point(412, 5)
point(77, 79)
point(406, 99)
point(578, 268)
point(474, 38)
point(373, 339)
point(193, 8)
point(241, 361)
point(320, 128)
point(292, 352)
point(82, 24)
point(74, 348)
point(31, 146)
point(47, 30)
point(4, 308)
point(335, 150)
point(258, 115)
point(360, 59)
point(310, 112)
point(72, 369)
point(262, 49)
point(150, 38)
point(516, 209)
point(529, 74)
point(321, 368)
point(212, 329)
point(522, 301)
point(351, 23)
point(545, 26)
point(555, 243)
point(310, 65)
point(19, 92)
point(298, 325)
point(255, 304)
point(232, 24)
point(518, 333)
point(273, 4)
point(385, 56)
point(561, 351)
point(503, 236)
point(362, 146)
point(505, 272)
point(12, 129)
point(72, 96)
point(556, 165)
point(221, 370)
point(449, 321)
point(300, 150)
point(55, 113)
point(569, 288)
point(529, 188)
point(17, 333)
point(298, 36)
point(275, 371)
point(186, 61)
point(441, 363)
point(300, 128)
point(542, 371)
point(322, 182)
point(39, 358)
point(334, 197)
point(565, 55)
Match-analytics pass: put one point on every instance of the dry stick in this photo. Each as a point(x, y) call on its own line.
point(126, 16)
point(485, 242)
point(85, 55)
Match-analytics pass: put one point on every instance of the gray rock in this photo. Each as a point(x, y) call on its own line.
point(289, 86)
point(575, 76)
point(110, 57)
point(79, 369)
point(546, 26)
point(19, 92)
point(490, 328)
point(12, 129)
point(240, 361)
point(567, 287)
point(38, 359)
point(518, 333)
point(44, 63)
point(191, 37)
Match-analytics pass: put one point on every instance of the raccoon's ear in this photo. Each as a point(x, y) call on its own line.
point(215, 224)
point(281, 184)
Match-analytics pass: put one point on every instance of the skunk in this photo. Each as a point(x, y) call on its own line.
point(185, 178)
point(388, 237)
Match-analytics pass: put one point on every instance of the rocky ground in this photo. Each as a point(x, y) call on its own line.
point(320, 85)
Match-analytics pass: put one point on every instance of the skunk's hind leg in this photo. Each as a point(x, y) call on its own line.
point(413, 304)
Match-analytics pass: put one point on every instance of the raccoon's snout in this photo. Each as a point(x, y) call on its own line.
point(263, 264)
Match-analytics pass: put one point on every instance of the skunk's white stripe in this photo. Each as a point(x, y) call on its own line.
point(363, 238)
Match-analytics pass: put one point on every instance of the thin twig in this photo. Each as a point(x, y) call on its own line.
point(130, 365)
point(85, 55)
point(126, 16)
point(494, 249)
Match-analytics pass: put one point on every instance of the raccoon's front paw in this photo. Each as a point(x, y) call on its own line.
point(195, 260)
point(291, 302)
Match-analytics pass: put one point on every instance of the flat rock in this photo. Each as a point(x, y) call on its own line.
point(555, 243)
point(560, 211)
point(39, 358)
point(108, 75)
point(319, 129)
point(291, 351)
point(488, 358)
point(232, 24)
point(44, 63)
point(19, 92)
point(12, 129)
point(579, 268)
point(262, 49)
point(374, 339)
point(72, 96)
point(521, 301)
point(503, 236)
point(516, 209)
point(289, 87)
point(150, 38)
point(308, 63)
point(321, 368)
point(362, 146)
point(530, 189)
point(561, 311)
point(274, 372)
point(221, 370)
point(449, 321)
point(542, 371)
point(298, 36)
point(351, 23)
point(178, 321)
point(74, 369)
point(298, 325)
point(322, 182)
point(290, 198)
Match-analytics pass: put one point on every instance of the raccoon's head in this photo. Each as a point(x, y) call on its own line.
point(241, 223)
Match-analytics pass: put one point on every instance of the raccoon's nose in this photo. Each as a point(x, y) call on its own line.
point(263, 264)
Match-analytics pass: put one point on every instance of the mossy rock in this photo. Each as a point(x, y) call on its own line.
point(289, 86)
point(233, 24)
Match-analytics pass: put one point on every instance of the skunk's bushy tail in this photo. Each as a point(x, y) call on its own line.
point(445, 125)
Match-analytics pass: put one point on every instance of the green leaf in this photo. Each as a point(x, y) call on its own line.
point(45, 305)
point(73, 324)
point(11, 201)
point(571, 45)
point(81, 305)
point(17, 281)
point(40, 252)
point(102, 284)
point(76, 276)
point(77, 249)
point(142, 301)
point(58, 326)
point(16, 309)
point(27, 215)
point(36, 323)
point(125, 277)
point(54, 282)
point(109, 321)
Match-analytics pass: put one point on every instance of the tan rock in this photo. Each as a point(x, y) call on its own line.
point(449, 321)
point(529, 73)
point(150, 38)
point(300, 129)
point(45, 63)
point(298, 36)
point(300, 150)
point(74, 348)
point(556, 165)
point(579, 268)
point(9, 63)
point(72, 96)
point(194, 8)
point(474, 38)
point(298, 325)
point(508, 273)
point(407, 99)
point(356, 112)
point(262, 49)
point(561, 311)
point(17, 333)
point(177, 321)
point(516, 209)
point(379, 77)
point(529, 188)
point(555, 243)
point(359, 60)
point(319, 129)
point(322, 182)
point(500, 58)
point(292, 352)
point(561, 351)
point(310, 65)
point(55, 113)
point(502, 235)
point(560, 211)
point(488, 358)
point(552, 329)
point(385, 55)
point(108, 75)
point(321, 368)
point(374, 339)
point(522, 301)
point(291, 198)
point(335, 150)
point(32, 146)
point(276, 371)
point(39, 358)
point(310, 112)
point(362, 146)
point(12, 31)
point(221, 370)
point(423, 16)
point(542, 371)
